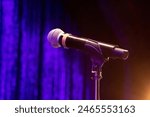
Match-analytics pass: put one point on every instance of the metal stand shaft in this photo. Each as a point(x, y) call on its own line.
point(97, 89)
point(97, 76)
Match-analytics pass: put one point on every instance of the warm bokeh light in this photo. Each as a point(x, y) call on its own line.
point(147, 94)
point(141, 81)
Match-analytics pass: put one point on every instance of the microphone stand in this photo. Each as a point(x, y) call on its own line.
point(98, 60)
point(96, 74)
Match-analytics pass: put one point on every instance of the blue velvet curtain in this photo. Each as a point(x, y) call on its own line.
point(29, 67)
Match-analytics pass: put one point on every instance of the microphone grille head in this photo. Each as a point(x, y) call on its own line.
point(53, 37)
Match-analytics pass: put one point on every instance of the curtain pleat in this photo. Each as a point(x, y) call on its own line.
point(29, 67)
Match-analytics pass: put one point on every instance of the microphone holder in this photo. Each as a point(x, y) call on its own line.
point(98, 60)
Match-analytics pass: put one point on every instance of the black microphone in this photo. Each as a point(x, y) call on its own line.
point(58, 38)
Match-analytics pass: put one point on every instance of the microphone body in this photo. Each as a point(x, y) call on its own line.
point(58, 38)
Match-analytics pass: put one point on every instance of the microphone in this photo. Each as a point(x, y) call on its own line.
point(58, 38)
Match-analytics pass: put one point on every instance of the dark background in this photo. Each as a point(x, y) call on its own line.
point(126, 23)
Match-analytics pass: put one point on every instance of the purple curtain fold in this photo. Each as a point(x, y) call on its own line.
point(29, 67)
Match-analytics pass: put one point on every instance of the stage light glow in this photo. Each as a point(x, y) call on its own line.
point(147, 92)
point(141, 81)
